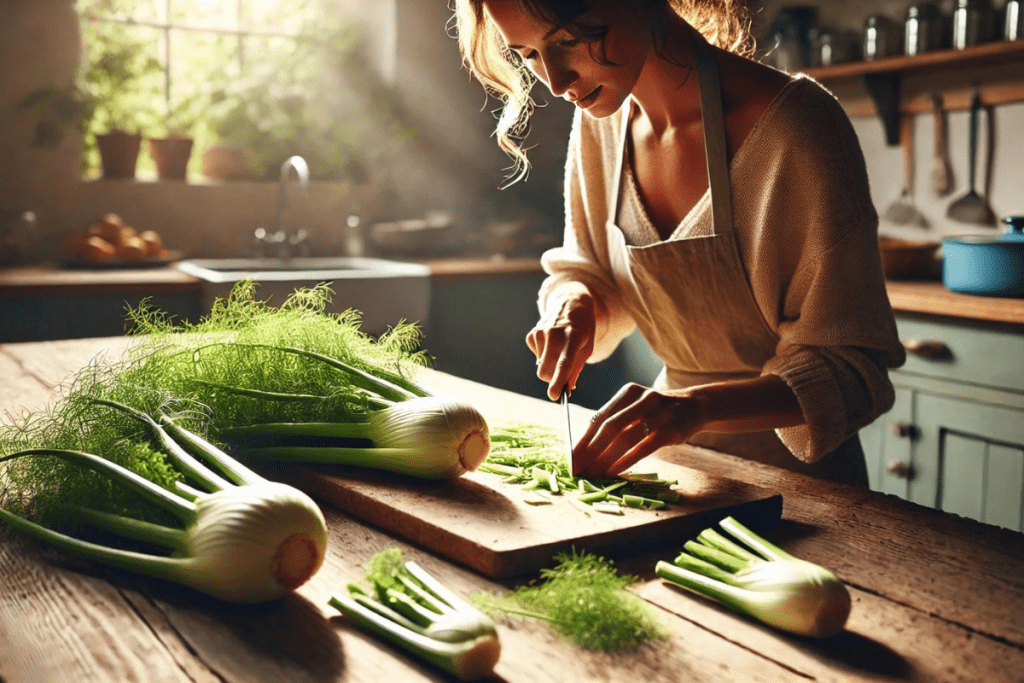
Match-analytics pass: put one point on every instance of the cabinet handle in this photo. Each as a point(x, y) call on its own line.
point(927, 348)
point(899, 468)
point(904, 430)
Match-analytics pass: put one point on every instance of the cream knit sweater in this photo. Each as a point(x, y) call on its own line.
point(807, 233)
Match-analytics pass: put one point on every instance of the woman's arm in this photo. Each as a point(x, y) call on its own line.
point(638, 421)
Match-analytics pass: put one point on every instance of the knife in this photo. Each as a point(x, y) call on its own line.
point(568, 426)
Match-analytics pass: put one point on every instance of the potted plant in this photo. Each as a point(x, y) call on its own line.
point(121, 80)
point(58, 108)
point(172, 151)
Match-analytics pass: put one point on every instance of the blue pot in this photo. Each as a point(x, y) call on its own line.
point(988, 265)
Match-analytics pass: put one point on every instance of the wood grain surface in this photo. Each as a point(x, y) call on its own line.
point(935, 597)
point(479, 522)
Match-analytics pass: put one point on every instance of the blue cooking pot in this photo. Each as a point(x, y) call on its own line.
point(989, 265)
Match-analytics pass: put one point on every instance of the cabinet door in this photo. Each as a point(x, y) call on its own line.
point(975, 455)
point(887, 446)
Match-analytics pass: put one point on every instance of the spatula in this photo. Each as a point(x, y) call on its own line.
point(972, 207)
point(903, 211)
point(942, 171)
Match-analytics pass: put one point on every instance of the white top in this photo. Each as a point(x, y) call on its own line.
point(807, 235)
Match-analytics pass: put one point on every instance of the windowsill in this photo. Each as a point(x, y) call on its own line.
point(145, 179)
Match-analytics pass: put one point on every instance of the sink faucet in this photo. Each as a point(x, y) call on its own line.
point(302, 172)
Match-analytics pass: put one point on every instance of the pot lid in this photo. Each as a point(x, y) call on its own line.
point(1015, 234)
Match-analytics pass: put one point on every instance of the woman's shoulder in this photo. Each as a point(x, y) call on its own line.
point(805, 112)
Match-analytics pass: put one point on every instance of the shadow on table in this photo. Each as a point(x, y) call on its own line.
point(286, 639)
point(859, 653)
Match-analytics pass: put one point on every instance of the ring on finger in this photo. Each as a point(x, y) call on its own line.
point(646, 428)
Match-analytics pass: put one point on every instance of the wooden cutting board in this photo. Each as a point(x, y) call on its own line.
point(482, 523)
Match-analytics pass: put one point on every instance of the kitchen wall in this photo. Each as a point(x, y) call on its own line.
point(885, 164)
point(452, 162)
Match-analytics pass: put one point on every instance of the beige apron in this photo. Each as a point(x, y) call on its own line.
point(693, 303)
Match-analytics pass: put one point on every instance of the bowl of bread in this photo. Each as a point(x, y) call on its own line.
point(111, 243)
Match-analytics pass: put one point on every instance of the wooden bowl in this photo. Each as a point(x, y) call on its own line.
point(908, 259)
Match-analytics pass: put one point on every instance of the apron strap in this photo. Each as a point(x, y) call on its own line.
point(715, 153)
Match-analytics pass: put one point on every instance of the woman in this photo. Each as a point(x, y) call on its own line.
point(719, 205)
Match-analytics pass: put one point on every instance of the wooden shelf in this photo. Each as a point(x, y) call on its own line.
point(906, 85)
point(987, 54)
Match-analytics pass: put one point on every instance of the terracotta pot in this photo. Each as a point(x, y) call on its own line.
point(171, 155)
point(224, 162)
point(119, 152)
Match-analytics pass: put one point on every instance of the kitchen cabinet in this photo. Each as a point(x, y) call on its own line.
point(42, 302)
point(34, 317)
point(477, 330)
point(954, 438)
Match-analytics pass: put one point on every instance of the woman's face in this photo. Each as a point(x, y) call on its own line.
point(567, 66)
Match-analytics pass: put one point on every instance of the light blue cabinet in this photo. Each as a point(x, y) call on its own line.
point(954, 439)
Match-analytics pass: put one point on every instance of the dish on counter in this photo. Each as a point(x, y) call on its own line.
point(904, 259)
point(109, 243)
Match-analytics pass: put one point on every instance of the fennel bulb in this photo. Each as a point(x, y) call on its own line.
point(773, 586)
point(410, 608)
point(244, 539)
point(300, 384)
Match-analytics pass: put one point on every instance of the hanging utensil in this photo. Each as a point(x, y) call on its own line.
point(972, 207)
point(903, 211)
point(942, 169)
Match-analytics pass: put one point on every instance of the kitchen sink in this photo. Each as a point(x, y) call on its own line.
point(385, 292)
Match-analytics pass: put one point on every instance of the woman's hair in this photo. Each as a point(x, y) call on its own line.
point(724, 23)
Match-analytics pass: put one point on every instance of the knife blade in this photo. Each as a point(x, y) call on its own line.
point(568, 426)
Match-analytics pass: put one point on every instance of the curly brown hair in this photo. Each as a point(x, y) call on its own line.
point(724, 23)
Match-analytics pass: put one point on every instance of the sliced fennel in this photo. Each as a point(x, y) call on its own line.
point(772, 586)
point(241, 538)
point(531, 456)
point(410, 608)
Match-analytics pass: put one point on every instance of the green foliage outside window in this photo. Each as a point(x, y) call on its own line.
point(311, 92)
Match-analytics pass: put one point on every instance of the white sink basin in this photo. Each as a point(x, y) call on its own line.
point(384, 291)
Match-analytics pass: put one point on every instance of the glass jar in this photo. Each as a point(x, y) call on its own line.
point(830, 46)
point(973, 23)
point(1014, 24)
point(882, 37)
point(17, 237)
point(923, 29)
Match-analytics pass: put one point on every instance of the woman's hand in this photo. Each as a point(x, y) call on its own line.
point(563, 340)
point(631, 426)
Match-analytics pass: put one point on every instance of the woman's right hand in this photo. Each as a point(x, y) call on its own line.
point(563, 340)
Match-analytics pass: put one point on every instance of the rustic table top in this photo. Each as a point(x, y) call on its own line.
point(935, 597)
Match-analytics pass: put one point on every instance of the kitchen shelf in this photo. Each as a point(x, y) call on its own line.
point(906, 85)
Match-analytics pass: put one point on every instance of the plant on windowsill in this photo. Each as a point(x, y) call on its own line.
point(121, 78)
point(173, 148)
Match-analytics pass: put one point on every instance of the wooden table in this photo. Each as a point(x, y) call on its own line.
point(935, 597)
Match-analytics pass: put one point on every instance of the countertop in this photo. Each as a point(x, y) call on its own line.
point(907, 296)
point(935, 597)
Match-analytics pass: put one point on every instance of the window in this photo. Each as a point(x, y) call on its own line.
point(274, 77)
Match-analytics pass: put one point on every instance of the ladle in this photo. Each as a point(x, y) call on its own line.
point(972, 207)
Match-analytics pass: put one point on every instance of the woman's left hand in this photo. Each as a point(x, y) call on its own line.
point(633, 424)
